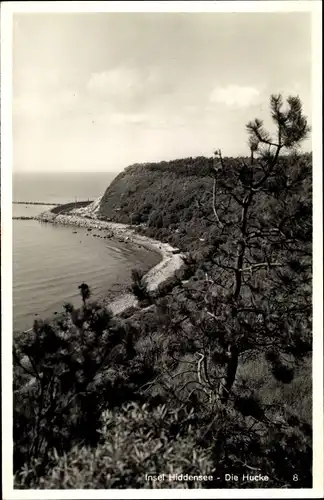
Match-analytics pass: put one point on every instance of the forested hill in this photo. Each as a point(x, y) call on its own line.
point(172, 200)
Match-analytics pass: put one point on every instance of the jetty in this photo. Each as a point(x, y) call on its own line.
point(35, 203)
point(23, 217)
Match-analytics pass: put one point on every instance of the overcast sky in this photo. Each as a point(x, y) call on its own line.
point(97, 92)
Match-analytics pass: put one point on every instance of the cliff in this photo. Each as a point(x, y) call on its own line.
point(172, 201)
point(166, 200)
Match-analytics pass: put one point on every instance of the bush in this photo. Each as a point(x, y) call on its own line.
point(133, 442)
point(166, 287)
point(139, 440)
point(55, 374)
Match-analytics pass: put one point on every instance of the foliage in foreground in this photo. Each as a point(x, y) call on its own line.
point(136, 441)
point(243, 300)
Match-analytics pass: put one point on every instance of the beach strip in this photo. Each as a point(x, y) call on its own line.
point(172, 258)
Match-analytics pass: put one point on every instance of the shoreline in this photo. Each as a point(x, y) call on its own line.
point(171, 258)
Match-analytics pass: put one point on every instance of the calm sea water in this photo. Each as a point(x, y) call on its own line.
point(49, 262)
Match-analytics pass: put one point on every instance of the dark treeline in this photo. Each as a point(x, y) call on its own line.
point(66, 207)
point(213, 372)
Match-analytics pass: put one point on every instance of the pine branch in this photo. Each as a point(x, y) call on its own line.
point(262, 264)
point(221, 225)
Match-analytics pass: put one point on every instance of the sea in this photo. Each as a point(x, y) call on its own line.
point(50, 261)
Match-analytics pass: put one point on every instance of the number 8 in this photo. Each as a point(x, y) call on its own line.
point(295, 477)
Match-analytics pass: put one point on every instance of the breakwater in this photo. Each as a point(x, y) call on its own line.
point(57, 206)
point(34, 203)
point(23, 217)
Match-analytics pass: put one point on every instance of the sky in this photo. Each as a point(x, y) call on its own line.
point(100, 91)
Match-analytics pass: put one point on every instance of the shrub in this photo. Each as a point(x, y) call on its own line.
point(134, 442)
point(166, 287)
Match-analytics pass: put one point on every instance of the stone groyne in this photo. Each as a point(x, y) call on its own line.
point(23, 217)
point(34, 203)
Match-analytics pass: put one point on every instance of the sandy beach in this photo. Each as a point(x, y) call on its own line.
point(171, 258)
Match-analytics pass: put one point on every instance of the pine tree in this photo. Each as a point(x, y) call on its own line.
point(256, 298)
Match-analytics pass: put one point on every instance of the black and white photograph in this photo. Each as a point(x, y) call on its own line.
point(161, 250)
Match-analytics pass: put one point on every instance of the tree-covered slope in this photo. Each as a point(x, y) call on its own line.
point(160, 195)
point(172, 200)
